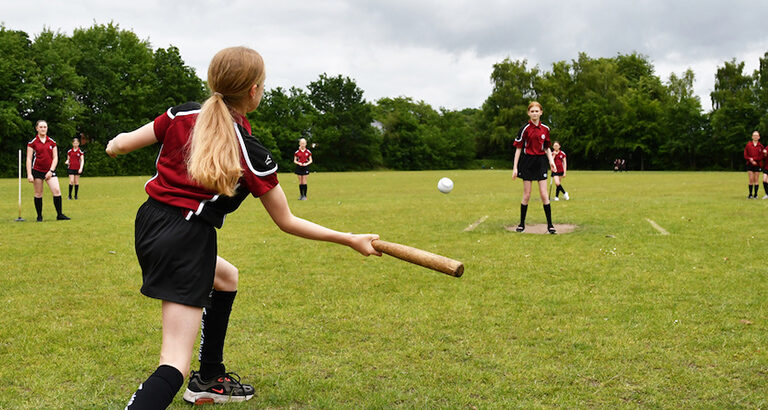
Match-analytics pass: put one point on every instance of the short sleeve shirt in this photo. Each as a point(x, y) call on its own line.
point(74, 155)
point(302, 156)
point(173, 186)
point(559, 157)
point(533, 139)
point(43, 153)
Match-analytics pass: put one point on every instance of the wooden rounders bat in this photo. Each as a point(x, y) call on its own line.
point(420, 257)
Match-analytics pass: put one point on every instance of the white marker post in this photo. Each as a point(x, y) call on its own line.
point(19, 219)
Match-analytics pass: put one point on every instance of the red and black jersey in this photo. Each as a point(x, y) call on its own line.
point(74, 155)
point(43, 158)
point(559, 158)
point(173, 186)
point(533, 139)
point(755, 152)
point(302, 156)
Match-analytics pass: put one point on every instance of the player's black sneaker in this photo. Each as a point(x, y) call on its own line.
point(220, 389)
point(62, 217)
point(551, 229)
point(520, 228)
point(39, 219)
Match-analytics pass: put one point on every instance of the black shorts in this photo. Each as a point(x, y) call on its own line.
point(301, 170)
point(533, 167)
point(177, 256)
point(754, 168)
point(557, 174)
point(765, 170)
point(73, 171)
point(41, 175)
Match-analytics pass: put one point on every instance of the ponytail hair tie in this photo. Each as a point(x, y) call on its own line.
point(218, 94)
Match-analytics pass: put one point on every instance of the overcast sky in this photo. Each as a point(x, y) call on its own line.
point(438, 51)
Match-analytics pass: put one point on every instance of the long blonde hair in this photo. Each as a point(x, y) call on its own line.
point(214, 150)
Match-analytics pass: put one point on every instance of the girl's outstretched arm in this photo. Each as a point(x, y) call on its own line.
point(277, 206)
point(127, 142)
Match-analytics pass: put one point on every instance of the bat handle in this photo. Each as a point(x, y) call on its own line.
point(420, 257)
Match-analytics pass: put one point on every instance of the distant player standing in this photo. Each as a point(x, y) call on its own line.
point(42, 158)
point(753, 153)
point(175, 233)
point(75, 162)
point(561, 168)
point(534, 157)
point(302, 158)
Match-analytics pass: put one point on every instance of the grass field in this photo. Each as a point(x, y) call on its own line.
point(614, 314)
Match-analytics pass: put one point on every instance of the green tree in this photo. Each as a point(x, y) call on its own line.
point(689, 140)
point(176, 82)
point(343, 133)
point(284, 117)
point(505, 110)
point(410, 134)
point(20, 87)
point(735, 113)
point(55, 56)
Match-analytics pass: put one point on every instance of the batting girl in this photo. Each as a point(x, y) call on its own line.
point(208, 164)
point(42, 158)
point(561, 167)
point(302, 158)
point(533, 155)
point(75, 162)
point(753, 153)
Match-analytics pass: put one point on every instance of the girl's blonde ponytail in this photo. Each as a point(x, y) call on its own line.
point(214, 150)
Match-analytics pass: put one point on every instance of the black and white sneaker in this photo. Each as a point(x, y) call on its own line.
point(221, 389)
point(520, 228)
point(551, 229)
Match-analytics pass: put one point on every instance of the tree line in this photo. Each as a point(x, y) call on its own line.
point(103, 80)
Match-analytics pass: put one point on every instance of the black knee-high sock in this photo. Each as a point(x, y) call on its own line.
point(561, 188)
point(548, 213)
point(70, 191)
point(523, 211)
point(303, 189)
point(158, 390)
point(215, 323)
point(57, 204)
point(39, 207)
point(77, 189)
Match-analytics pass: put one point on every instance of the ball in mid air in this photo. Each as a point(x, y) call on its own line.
point(445, 185)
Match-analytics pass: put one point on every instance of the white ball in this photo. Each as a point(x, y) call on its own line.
point(445, 185)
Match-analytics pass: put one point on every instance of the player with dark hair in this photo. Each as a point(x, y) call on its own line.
point(561, 168)
point(208, 164)
point(302, 158)
point(534, 157)
point(753, 154)
point(75, 162)
point(42, 158)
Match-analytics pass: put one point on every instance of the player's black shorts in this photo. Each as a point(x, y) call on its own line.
point(754, 168)
point(557, 174)
point(73, 171)
point(177, 256)
point(533, 167)
point(765, 170)
point(41, 175)
point(301, 170)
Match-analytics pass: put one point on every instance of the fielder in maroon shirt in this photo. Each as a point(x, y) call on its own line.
point(561, 167)
point(42, 158)
point(207, 166)
point(534, 157)
point(75, 162)
point(753, 154)
point(302, 158)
